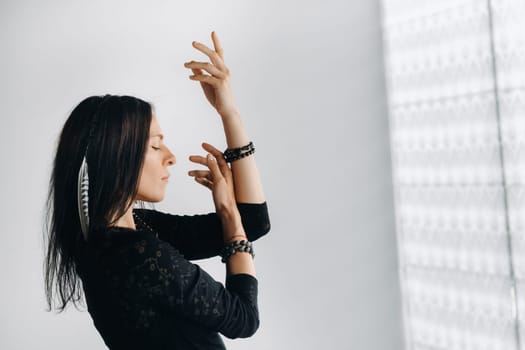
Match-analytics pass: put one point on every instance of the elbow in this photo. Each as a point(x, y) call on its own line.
point(259, 230)
point(253, 326)
point(264, 228)
point(245, 326)
point(246, 332)
point(251, 330)
point(255, 219)
point(264, 221)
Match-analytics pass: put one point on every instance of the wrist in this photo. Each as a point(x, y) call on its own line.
point(231, 223)
point(237, 234)
point(236, 237)
point(230, 114)
point(229, 213)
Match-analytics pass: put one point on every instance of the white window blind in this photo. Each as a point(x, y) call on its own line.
point(455, 73)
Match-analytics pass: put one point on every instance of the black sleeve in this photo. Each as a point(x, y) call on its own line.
point(183, 288)
point(200, 236)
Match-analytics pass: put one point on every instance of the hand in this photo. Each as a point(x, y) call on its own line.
point(218, 179)
point(216, 86)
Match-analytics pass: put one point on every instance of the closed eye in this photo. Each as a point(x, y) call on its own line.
point(155, 148)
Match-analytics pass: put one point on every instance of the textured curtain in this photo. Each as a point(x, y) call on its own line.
point(455, 73)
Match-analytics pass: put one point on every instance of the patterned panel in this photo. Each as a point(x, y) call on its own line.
point(509, 52)
point(455, 76)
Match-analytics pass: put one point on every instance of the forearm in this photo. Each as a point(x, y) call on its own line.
point(240, 262)
point(246, 179)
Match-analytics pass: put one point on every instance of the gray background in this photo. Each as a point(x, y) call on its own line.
point(308, 79)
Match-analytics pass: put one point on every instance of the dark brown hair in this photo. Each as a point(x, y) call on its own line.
point(115, 158)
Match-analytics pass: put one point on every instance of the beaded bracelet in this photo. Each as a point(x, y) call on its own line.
point(234, 247)
point(232, 154)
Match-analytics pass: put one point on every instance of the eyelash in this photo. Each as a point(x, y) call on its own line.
point(155, 148)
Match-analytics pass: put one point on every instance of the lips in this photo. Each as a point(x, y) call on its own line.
point(165, 177)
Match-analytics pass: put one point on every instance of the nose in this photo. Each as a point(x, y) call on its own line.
point(171, 160)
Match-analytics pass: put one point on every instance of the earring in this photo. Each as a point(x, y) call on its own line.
point(83, 198)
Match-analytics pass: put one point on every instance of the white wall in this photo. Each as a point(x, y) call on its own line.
point(308, 79)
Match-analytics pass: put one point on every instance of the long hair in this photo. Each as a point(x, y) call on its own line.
point(115, 157)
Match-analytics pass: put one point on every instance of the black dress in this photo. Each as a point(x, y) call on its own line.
point(142, 291)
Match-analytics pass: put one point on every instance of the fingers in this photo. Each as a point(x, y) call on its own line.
point(196, 71)
point(204, 181)
point(197, 68)
point(214, 151)
point(217, 44)
point(199, 173)
point(214, 56)
point(214, 167)
point(223, 166)
point(219, 156)
point(217, 69)
point(206, 79)
point(203, 177)
point(198, 159)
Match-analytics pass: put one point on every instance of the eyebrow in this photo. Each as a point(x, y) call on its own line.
point(160, 135)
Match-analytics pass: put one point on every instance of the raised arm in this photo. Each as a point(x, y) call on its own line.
point(246, 179)
point(217, 89)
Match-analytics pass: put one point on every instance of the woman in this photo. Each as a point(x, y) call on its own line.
point(141, 289)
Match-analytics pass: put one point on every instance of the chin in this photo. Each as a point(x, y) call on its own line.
point(152, 199)
point(156, 199)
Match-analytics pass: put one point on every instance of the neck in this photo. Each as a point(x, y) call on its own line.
point(127, 220)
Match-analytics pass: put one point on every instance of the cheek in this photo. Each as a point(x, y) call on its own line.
point(150, 168)
point(145, 168)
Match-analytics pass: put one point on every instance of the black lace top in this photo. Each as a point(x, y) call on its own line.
point(143, 292)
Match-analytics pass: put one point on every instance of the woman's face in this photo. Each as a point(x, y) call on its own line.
point(153, 178)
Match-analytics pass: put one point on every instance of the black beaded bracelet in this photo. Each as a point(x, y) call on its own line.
point(232, 154)
point(234, 247)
